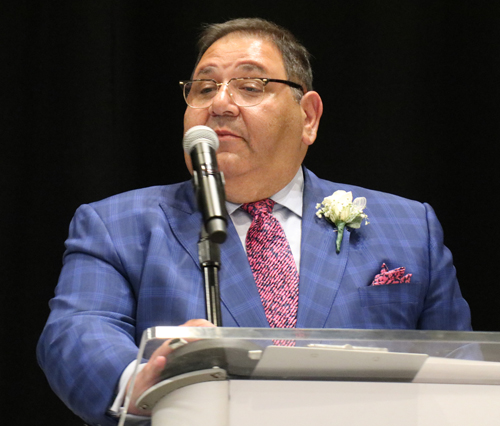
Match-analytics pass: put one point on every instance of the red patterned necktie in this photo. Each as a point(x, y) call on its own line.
point(272, 265)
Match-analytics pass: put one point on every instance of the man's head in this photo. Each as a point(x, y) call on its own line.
point(261, 146)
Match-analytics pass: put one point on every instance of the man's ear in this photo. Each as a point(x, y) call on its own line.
point(312, 105)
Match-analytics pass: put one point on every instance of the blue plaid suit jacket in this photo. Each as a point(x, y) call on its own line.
point(131, 263)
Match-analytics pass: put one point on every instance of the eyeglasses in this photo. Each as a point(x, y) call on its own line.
point(245, 91)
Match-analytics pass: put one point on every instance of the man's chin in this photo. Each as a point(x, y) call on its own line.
point(230, 164)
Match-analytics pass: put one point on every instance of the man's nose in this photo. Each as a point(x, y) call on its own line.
point(223, 103)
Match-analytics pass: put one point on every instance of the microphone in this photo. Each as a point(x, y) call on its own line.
point(201, 142)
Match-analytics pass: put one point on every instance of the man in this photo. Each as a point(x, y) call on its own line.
point(131, 260)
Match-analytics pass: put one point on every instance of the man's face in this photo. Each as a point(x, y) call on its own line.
point(261, 147)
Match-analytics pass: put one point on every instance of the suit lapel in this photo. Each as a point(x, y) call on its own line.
point(321, 268)
point(240, 300)
point(184, 219)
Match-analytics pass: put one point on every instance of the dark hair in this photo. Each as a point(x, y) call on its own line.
point(295, 56)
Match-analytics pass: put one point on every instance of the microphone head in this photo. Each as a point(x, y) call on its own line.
point(199, 134)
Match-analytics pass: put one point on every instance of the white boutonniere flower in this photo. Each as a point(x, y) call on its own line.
point(340, 210)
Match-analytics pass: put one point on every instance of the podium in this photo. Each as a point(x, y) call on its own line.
point(250, 376)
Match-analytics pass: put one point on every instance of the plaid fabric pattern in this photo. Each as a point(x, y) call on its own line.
point(131, 262)
point(272, 264)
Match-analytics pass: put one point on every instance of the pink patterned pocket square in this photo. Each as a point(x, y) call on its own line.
point(394, 276)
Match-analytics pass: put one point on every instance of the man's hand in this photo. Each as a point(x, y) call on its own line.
point(150, 374)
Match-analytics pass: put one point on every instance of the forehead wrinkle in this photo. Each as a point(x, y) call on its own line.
point(249, 67)
point(245, 67)
point(236, 53)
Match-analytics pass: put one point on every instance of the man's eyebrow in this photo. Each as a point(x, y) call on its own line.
point(205, 70)
point(245, 67)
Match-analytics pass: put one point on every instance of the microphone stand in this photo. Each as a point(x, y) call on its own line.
point(209, 257)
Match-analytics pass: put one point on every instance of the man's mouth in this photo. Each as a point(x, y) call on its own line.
point(226, 135)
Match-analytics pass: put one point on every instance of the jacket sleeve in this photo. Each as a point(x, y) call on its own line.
point(444, 306)
point(89, 337)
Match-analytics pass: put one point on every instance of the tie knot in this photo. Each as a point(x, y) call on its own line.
point(259, 207)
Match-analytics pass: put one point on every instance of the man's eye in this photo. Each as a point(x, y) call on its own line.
point(251, 88)
point(204, 90)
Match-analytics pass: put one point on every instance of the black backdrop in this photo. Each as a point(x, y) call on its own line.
point(91, 107)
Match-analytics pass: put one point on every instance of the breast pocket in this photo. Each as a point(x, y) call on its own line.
point(393, 306)
point(404, 293)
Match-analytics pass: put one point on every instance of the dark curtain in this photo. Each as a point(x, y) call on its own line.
point(91, 107)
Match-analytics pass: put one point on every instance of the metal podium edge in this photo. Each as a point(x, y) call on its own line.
point(150, 398)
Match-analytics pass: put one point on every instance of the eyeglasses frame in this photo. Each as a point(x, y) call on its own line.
point(264, 80)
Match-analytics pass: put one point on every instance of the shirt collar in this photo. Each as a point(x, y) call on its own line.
point(290, 196)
